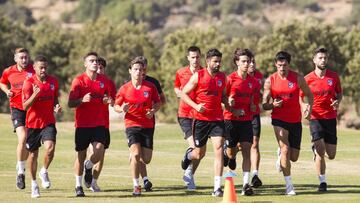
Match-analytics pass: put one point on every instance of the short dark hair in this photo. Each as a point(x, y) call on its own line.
point(137, 60)
point(143, 59)
point(320, 50)
point(213, 52)
point(242, 52)
point(40, 58)
point(102, 61)
point(282, 55)
point(194, 49)
point(21, 50)
point(91, 53)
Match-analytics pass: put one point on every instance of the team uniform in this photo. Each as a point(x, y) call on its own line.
point(323, 116)
point(239, 128)
point(112, 94)
point(16, 78)
point(288, 116)
point(89, 116)
point(210, 122)
point(40, 120)
point(256, 123)
point(139, 129)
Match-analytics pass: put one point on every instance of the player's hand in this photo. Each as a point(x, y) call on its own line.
point(200, 108)
point(9, 94)
point(86, 98)
point(57, 108)
point(36, 89)
point(106, 99)
point(238, 112)
point(335, 104)
point(307, 112)
point(231, 101)
point(277, 103)
point(150, 113)
point(125, 107)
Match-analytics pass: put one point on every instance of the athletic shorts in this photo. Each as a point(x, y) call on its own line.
point(323, 129)
point(18, 117)
point(237, 131)
point(107, 138)
point(202, 130)
point(294, 129)
point(186, 126)
point(86, 136)
point(143, 136)
point(36, 136)
point(256, 125)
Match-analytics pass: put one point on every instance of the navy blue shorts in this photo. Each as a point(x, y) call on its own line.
point(143, 136)
point(17, 117)
point(294, 129)
point(85, 136)
point(36, 136)
point(323, 129)
point(203, 130)
point(238, 131)
point(186, 126)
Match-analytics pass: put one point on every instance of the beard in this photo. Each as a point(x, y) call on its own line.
point(215, 69)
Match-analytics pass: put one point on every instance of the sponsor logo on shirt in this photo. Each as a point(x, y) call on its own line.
point(146, 94)
point(101, 85)
point(219, 83)
point(330, 82)
point(290, 85)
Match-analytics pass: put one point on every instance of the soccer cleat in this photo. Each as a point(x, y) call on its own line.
point(290, 190)
point(322, 187)
point(186, 162)
point(137, 191)
point(191, 185)
point(88, 175)
point(45, 181)
point(79, 192)
point(314, 152)
point(278, 164)
point(147, 185)
point(256, 182)
point(20, 181)
point(35, 192)
point(247, 190)
point(225, 157)
point(218, 193)
point(94, 187)
point(232, 164)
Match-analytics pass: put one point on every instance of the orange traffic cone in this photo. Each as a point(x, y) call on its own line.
point(229, 191)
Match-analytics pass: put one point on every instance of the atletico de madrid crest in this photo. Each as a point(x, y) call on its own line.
point(28, 75)
point(250, 85)
point(52, 87)
point(101, 85)
point(219, 83)
point(330, 82)
point(146, 94)
point(291, 85)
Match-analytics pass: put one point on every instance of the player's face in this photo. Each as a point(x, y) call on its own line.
point(40, 68)
point(22, 59)
point(252, 66)
point(243, 63)
point(101, 69)
point(136, 71)
point(282, 67)
point(194, 59)
point(320, 60)
point(214, 64)
point(91, 63)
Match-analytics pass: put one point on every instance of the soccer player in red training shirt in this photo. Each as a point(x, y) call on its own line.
point(326, 87)
point(139, 100)
point(87, 96)
point(15, 75)
point(256, 123)
point(281, 95)
point(108, 100)
point(40, 100)
point(240, 89)
point(208, 85)
point(185, 117)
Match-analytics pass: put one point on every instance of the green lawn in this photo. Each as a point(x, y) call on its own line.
point(343, 173)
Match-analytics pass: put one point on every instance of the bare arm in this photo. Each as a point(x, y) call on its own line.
point(73, 103)
point(191, 85)
point(310, 97)
point(6, 90)
point(177, 92)
point(31, 99)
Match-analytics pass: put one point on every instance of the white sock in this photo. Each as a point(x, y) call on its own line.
point(78, 180)
point(322, 178)
point(255, 173)
point(88, 164)
point(43, 170)
point(217, 182)
point(246, 175)
point(188, 171)
point(288, 180)
point(33, 183)
point(145, 178)
point(136, 182)
point(21, 167)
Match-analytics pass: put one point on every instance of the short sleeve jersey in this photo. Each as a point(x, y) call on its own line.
point(112, 94)
point(286, 90)
point(324, 91)
point(258, 85)
point(41, 113)
point(16, 78)
point(241, 90)
point(209, 91)
point(89, 114)
point(140, 101)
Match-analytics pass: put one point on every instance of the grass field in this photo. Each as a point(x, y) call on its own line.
point(343, 173)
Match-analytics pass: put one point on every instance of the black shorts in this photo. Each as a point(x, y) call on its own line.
point(143, 136)
point(237, 131)
point(323, 129)
point(256, 125)
point(294, 129)
point(186, 126)
point(202, 130)
point(18, 117)
point(86, 136)
point(107, 138)
point(36, 136)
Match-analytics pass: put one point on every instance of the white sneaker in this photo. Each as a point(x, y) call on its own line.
point(35, 192)
point(290, 190)
point(187, 175)
point(94, 187)
point(45, 181)
point(189, 180)
point(278, 164)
